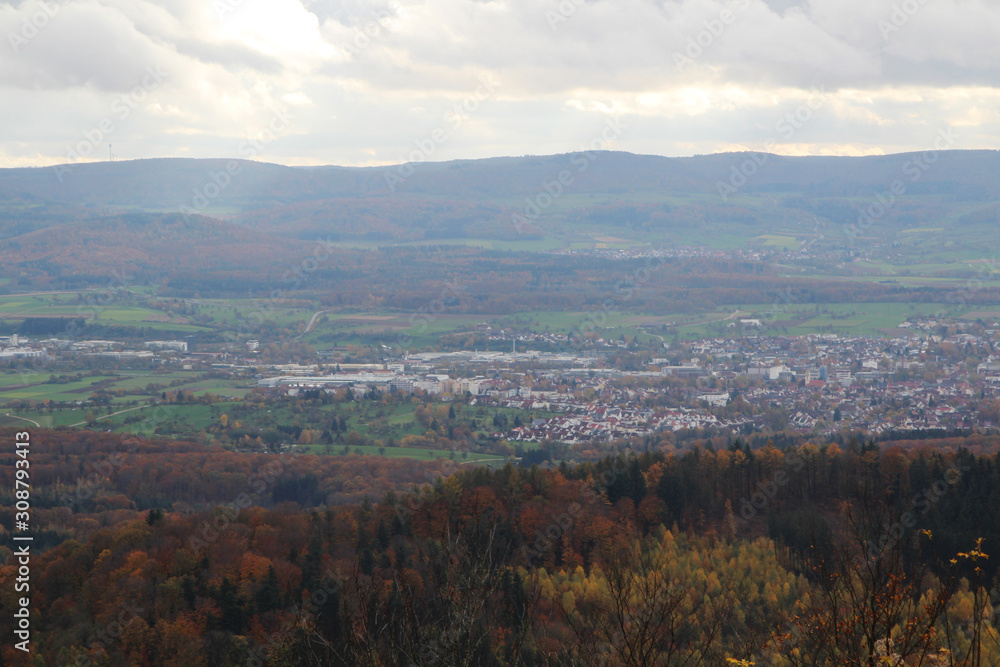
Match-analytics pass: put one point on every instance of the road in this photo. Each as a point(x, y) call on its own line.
point(7, 414)
point(140, 407)
point(312, 321)
point(724, 319)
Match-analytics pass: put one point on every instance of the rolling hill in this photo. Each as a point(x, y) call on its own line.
point(169, 215)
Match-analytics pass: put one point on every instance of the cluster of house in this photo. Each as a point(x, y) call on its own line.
point(595, 421)
point(381, 380)
point(876, 384)
point(646, 252)
point(15, 346)
point(507, 335)
point(820, 383)
point(12, 347)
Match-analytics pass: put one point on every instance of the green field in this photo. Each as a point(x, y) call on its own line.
point(68, 392)
point(95, 306)
point(864, 319)
point(35, 387)
point(189, 419)
point(778, 318)
point(408, 452)
point(778, 241)
point(391, 328)
point(343, 327)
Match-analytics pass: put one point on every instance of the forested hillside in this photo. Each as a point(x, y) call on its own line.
point(180, 214)
point(816, 554)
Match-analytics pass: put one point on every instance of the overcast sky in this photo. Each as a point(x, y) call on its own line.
point(359, 82)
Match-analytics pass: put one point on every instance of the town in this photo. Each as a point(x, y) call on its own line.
point(935, 374)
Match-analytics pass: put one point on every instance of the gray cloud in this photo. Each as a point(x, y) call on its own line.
point(366, 78)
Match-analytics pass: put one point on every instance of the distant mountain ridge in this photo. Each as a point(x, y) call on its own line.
point(177, 214)
point(169, 183)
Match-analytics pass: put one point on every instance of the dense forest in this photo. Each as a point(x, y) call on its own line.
point(810, 554)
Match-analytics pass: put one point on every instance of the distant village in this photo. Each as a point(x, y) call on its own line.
point(930, 377)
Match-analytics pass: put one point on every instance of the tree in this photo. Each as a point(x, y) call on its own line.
point(462, 606)
point(640, 616)
point(869, 605)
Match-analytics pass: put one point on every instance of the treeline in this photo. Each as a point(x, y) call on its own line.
point(82, 480)
point(494, 282)
point(183, 258)
point(815, 554)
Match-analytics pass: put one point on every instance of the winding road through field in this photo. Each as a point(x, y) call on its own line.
point(312, 321)
point(724, 319)
point(140, 407)
point(7, 414)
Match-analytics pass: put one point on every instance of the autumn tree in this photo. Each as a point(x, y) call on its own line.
point(641, 616)
point(873, 602)
point(454, 602)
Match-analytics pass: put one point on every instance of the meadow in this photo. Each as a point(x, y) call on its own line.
point(97, 306)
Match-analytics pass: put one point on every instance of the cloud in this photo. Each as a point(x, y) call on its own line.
point(79, 45)
point(365, 79)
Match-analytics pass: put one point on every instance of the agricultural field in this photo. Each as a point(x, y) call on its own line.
point(405, 452)
point(96, 307)
point(780, 318)
point(238, 313)
point(522, 245)
point(375, 419)
point(778, 241)
point(865, 319)
point(388, 328)
point(122, 387)
point(362, 425)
